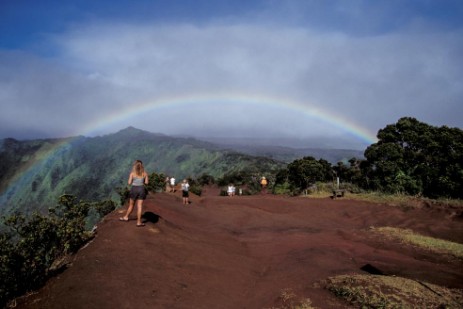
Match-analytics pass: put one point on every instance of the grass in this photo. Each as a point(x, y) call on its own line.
point(406, 201)
point(429, 243)
point(387, 292)
point(379, 197)
point(289, 300)
point(324, 190)
point(391, 292)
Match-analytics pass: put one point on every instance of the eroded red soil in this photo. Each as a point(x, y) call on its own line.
point(242, 251)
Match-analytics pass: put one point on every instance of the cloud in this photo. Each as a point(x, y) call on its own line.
point(371, 74)
point(41, 99)
point(370, 80)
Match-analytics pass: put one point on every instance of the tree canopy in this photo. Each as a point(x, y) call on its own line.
point(410, 157)
point(413, 157)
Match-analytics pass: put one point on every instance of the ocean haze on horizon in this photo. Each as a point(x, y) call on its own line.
point(369, 64)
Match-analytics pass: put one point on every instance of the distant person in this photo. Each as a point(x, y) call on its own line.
point(167, 183)
point(231, 190)
point(263, 184)
point(172, 184)
point(185, 193)
point(138, 178)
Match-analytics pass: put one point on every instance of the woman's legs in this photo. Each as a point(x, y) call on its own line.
point(129, 210)
point(139, 211)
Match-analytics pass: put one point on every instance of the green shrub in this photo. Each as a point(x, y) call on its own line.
point(105, 207)
point(283, 189)
point(195, 189)
point(31, 245)
point(206, 179)
point(157, 182)
point(124, 194)
point(249, 180)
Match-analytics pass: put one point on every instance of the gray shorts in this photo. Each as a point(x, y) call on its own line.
point(137, 193)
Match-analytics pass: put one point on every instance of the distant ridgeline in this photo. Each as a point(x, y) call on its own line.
point(34, 173)
point(288, 154)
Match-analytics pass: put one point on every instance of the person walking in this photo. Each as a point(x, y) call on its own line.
point(138, 178)
point(185, 192)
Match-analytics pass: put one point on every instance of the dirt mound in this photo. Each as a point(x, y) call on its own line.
point(242, 252)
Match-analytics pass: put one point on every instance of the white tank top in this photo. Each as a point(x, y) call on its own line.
point(138, 181)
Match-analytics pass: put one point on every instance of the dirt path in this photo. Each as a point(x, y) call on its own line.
point(242, 251)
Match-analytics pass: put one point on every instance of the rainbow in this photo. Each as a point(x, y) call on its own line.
point(119, 116)
point(311, 111)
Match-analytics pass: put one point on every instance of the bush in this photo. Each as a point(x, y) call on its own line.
point(157, 182)
point(195, 189)
point(105, 207)
point(352, 188)
point(30, 246)
point(124, 194)
point(283, 188)
point(206, 179)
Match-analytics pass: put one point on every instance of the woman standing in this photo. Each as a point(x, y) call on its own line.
point(138, 178)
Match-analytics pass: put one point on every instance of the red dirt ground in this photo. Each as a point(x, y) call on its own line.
point(242, 251)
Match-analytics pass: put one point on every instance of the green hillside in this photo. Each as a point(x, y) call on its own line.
point(35, 173)
point(288, 154)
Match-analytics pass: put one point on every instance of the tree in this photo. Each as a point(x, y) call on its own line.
point(206, 179)
point(415, 158)
point(351, 173)
point(306, 171)
point(30, 245)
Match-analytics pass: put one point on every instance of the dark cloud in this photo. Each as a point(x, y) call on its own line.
point(365, 79)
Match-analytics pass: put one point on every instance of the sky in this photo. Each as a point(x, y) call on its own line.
point(338, 70)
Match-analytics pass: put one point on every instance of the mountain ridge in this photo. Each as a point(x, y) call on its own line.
point(35, 173)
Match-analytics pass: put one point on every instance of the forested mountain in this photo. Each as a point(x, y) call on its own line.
point(33, 174)
point(288, 154)
point(410, 157)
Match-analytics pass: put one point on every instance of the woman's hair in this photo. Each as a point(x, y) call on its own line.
point(138, 168)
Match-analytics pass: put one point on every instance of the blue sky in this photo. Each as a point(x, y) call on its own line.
point(68, 66)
